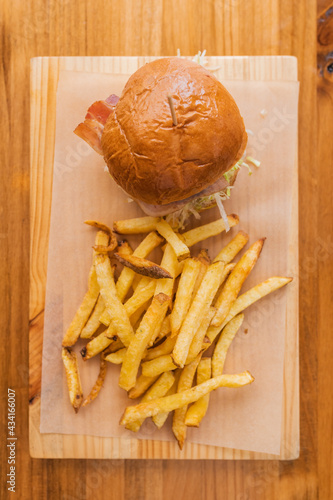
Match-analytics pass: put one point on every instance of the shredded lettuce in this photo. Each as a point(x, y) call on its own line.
point(222, 211)
point(180, 218)
point(255, 162)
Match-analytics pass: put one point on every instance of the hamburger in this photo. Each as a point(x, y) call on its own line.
point(173, 140)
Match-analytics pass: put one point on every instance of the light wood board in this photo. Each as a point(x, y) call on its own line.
point(44, 78)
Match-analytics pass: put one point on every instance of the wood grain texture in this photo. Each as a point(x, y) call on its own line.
point(120, 27)
point(44, 75)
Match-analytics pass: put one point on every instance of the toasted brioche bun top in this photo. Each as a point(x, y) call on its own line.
point(157, 162)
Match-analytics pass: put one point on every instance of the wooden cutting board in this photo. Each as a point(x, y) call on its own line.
point(44, 78)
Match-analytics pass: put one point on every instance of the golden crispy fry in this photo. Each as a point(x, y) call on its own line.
point(136, 281)
point(115, 346)
point(136, 317)
point(199, 308)
point(226, 272)
point(157, 390)
point(98, 344)
point(158, 365)
point(203, 232)
point(185, 382)
point(116, 357)
point(170, 263)
point(198, 339)
point(125, 280)
point(73, 378)
point(180, 249)
point(257, 292)
point(204, 257)
point(141, 295)
point(139, 342)
point(106, 249)
point(124, 248)
point(136, 226)
point(93, 322)
point(229, 252)
point(143, 266)
point(198, 410)
point(204, 264)
point(169, 403)
point(165, 348)
point(160, 419)
point(184, 294)
point(145, 290)
point(165, 328)
point(99, 225)
point(141, 385)
point(235, 282)
point(113, 304)
point(98, 384)
point(223, 344)
point(82, 314)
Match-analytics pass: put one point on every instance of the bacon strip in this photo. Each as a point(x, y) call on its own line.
point(92, 128)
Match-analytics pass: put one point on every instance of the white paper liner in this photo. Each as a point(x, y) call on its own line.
point(248, 418)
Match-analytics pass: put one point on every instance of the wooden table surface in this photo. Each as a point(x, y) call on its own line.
point(159, 27)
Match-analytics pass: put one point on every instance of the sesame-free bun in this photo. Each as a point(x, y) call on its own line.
point(157, 162)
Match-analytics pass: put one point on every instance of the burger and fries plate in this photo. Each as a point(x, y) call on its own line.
point(267, 340)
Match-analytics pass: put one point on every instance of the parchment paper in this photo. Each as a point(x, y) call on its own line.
point(248, 418)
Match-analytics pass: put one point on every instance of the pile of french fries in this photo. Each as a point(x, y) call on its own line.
point(157, 320)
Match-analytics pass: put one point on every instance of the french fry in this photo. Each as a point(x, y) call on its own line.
point(125, 280)
point(184, 294)
point(82, 314)
point(124, 248)
point(93, 322)
point(116, 357)
point(98, 344)
point(198, 410)
point(73, 378)
point(229, 252)
point(100, 247)
point(165, 348)
point(170, 263)
point(257, 292)
point(98, 384)
point(160, 419)
point(185, 382)
point(136, 226)
point(199, 308)
point(165, 328)
point(205, 262)
point(203, 232)
point(99, 225)
point(142, 294)
point(115, 346)
point(141, 385)
point(180, 249)
point(139, 342)
point(223, 344)
point(158, 365)
point(157, 390)
point(137, 315)
point(143, 266)
point(199, 336)
point(170, 403)
point(115, 308)
point(235, 282)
